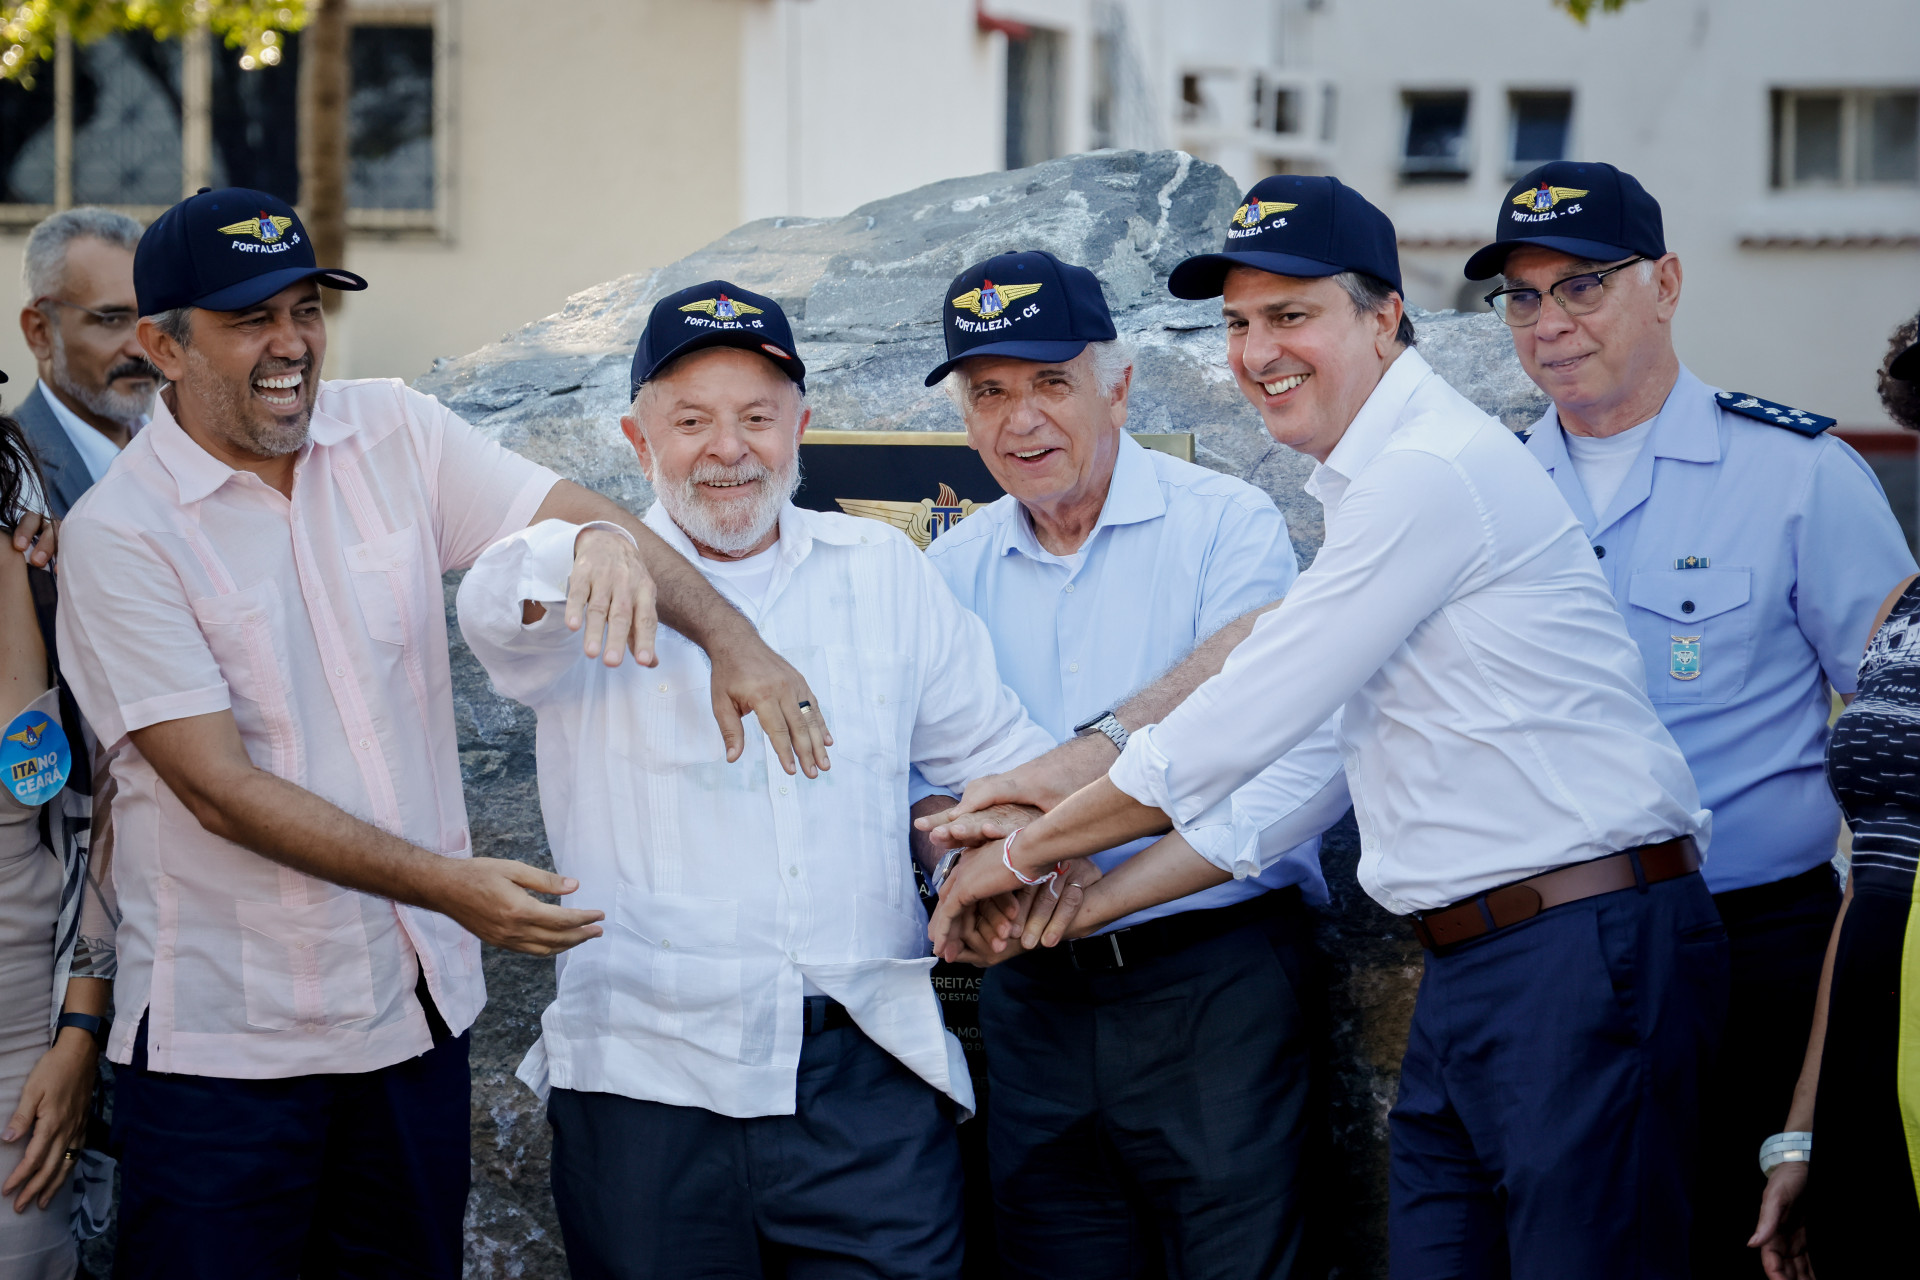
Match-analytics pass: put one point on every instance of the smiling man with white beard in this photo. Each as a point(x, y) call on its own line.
point(749, 1074)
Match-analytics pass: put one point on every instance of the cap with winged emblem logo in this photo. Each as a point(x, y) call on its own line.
point(715, 314)
point(1025, 306)
point(226, 250)
point(1587, 209)
point(1296, 225)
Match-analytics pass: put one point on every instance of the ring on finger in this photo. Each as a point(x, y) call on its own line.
point(69, 1155)
point(806, 707)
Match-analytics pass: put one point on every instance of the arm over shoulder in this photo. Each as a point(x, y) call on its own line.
point(482, 492)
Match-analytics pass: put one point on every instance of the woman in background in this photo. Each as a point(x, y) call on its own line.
point(54, 988)
point(1861, 1079)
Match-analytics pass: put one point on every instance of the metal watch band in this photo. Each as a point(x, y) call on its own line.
point(1106, 723)
point(943, 869)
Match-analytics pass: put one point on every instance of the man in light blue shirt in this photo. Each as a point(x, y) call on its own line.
point(1104, 565)
point(1748, 551)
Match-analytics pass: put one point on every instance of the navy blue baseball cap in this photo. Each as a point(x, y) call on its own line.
point(1028, 306)
point(715, 314)
point(226, 250)
point(1295, 225)
point(1587, 209)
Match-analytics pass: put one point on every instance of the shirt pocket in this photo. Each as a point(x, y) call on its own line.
point(305, 964)
point(240, 629)
point(1695, 628)
point(382, 571)
point(676, 969)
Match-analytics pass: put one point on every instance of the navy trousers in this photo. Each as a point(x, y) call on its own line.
point(1549, 1099)
point(319, 1177)
point(1150, 1122)
point(863, 1180)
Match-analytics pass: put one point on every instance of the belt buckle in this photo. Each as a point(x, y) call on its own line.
point(1091, 948)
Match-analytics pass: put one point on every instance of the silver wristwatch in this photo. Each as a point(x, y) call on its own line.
point(943, 869)
point(1109, 724)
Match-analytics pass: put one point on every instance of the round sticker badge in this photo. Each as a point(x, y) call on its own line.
point(34, 757)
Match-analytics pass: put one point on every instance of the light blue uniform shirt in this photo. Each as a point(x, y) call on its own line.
point(1798, 548)
point(1178, 552)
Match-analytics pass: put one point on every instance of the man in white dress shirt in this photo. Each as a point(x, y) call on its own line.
point(1516, 794)
point(749, 1074)
point(1102, 566)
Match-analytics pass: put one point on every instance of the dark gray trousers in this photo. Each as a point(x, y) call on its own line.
point(1150, 1121)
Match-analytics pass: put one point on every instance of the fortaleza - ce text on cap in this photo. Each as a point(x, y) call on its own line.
point(1027, 306)
point(226, 250)
point(1590, 210)
point(715, 314)
point(1296, 225)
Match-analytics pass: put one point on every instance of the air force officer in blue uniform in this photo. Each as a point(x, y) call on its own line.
point(1748, 550)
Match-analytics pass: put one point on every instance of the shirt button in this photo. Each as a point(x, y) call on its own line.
point(794, 872)
point(783, 791)
point(1073, 666)
point(1069, 588)
point(663, 688)
point(366, 744)
point(1686, 606)
point(666, 944)
point(339, 671)
point(1600, 553)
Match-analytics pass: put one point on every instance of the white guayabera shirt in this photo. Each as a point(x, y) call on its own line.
point(1496, 721)
point(729, 886)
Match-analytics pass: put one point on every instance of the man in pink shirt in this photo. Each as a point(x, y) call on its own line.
point(252, 617)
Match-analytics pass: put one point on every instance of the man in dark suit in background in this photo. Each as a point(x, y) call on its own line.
point(96, 387)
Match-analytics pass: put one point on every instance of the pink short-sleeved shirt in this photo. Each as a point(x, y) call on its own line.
point(187, 588)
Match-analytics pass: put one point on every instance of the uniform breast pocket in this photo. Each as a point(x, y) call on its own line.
point(305, 964)
point(382, 570)
point(676, 969)
point(1695, 627)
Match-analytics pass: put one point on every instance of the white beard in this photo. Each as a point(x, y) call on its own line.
point(736, 531)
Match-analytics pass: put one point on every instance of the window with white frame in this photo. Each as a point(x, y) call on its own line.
point(1846, 137)
point(108, 123)
point(1433, 146)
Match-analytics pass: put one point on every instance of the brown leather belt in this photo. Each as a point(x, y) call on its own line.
point(1525, 899)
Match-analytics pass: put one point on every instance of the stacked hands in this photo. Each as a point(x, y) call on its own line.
point(986, 913)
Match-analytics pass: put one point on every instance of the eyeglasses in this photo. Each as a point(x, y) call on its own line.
point(1577, 296)
point(115, 321)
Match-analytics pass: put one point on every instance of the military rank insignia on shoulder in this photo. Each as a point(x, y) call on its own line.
point(1807, 424)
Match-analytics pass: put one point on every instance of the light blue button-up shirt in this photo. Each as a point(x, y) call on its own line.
point(1788, 548)
point(1178, 552)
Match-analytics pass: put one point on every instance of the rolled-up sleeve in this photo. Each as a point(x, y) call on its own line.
point(1288, 803)
point(1410, 533)
point(523, 659)
point(130, 644)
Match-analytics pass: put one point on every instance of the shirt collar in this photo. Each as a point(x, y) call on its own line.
point(1376, 422)
point(799, 530)
point(1686, 429)
point(198, 473)
point(1133, 497)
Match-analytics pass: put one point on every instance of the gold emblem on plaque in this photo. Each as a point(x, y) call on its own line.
point(923, 521)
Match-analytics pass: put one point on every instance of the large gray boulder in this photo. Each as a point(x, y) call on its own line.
point(864, 294)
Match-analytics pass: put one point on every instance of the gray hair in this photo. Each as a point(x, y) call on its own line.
point(1370, 293)
point(176, 323)
point(1111, 360)
point(44, 265)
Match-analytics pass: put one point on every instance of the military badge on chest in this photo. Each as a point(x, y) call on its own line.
point(1683, 662)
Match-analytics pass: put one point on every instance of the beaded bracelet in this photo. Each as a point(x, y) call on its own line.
point(1785, 1148)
